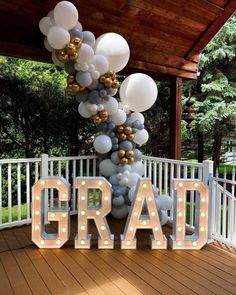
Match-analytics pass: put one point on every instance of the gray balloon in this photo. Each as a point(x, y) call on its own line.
point(118, 201)
point(111, 91)
point(94, 97)
point(100, 86)
point(123, 168)
point(114, 180)
point(127, 200)
point(115, 147)
point(128, 122)
point(123, 190)
point(81, 96)
point(111, 134)
point(102, 127)
point(94, 85)
point(69, 67)
point(126, 145)
point(136, 124)
point(115, 158)
point(116, 193)
point(89, 38)
point(76, 32)
point(115, 140)
point(103, 93)
point(111, 126)
point(84, 78)
point(141, 126)
point(137, 155)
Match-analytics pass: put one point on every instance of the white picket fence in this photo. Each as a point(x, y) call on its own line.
point(18, 175)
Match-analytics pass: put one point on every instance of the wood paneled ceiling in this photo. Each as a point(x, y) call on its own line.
point(165, 37)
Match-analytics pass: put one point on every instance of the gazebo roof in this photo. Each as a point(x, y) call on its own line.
point(166, 37)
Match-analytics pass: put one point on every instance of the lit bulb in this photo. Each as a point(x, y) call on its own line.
point(42, 242)
point(82, 242)
point(135, 213)
point(82, 227)
point(131, 228)
point(194, 244)
point(83, 182)
point(42, 182)
point(37, 212)
point(82, 212)
point(153, 213)
point(139, 199)
point(64, 195)
point(158, 243)
point(63, 215)
point(180, 199)
point(180, 214)
point(63, 229)
point(196, 184)
point(37, 227)
point(149, 199)
point(156, 228)
point(58, 242)
point(83, 198)
point(128, 243)
point(144, 222)
point(97, 212)
point(202, 214)
point(106, 198)
point(202, 228)
point(102, 227)
point(37, 198)
point(179, 228)
point(203, 200)
point(53, 215)
point(106, 242)
point(144, 185)
point(100, 183)
point(179, 243)
point(180, 184)
point(59, 182)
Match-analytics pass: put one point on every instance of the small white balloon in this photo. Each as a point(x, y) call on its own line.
point(111, 106)
point(93, 107)
point(84, 110)
point(102, 144)
point(139, 92)
point(137, 116)
point(86, 54)
point(58, 37)
point(45, 24)
point(95, 75)
point(100, 107)
point(77, 66)
point(141, 136)
point(100, 63)
point(124, 181)
point(119, 117)
point(119, 212)
point(107, 167)
point(84, 67)
point(138, 167)
point(91, 67)
point(133, 179)
point(66, 15)
point(115, 48)
point(119, 176)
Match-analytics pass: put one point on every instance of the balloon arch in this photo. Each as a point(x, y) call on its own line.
point(92, 65)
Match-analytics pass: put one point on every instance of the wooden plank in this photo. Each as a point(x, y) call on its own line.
point(3, 244)
point(15, 276)
point(128, 274)
point(9, 237)
point(175, 117)
point(4, 282)
point(31, 275)
point(166, 274)
point(220, 3)
point(105, 284)
point(210, 32)
point(70, 283)
point(81, 276)
point(52, 282)
point(111, 273)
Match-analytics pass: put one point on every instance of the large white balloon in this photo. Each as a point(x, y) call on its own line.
point(102, 144)
point(115, 48)
point(101, 63)
point(107, 168)
point(139, 92)
point(138, 167)
point(86, 54)
point(66, 15)
point(132, 193)
point(133, 179)
point(111, 106)
point(164, 202)
point(119, 212)
point(137, 116)
point(141, 136)
point(45, 24)
point(84, 110)
point(58, 37)
point(119, 117)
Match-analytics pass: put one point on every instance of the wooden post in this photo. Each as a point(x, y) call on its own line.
point(175, 117)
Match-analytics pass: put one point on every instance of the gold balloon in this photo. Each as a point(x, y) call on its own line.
point(131, 160)
point(75, 87)
point(130, 137)
point(120, 129)
point(62, 55)
point(73, 56)
point(69, 88)
point(115, 84)
point(103, 114)
point(124, 161)
point(97, 121)
point(102, 79)
point(104, 119)
point(121, 153)
point(82, 88)
point(122, 136)
point(70, 48)
point(128, 130)
point(129, 154)
point(77, 42)
point(108, 82)
point(70, 78)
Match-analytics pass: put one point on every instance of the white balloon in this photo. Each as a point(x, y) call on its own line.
point(102, 144)
point(164, 202)
point(138, 167)
point(137, 116)
point(111, 106)
point(47, 46)
point(101, 63)
point(56, 61)
point(115, 48)
point(84, 110)
point(133, 179)
point(139, 92)
point(119, 212)
point(124, 181)
point(93, 107)
point(164, 217)
point(66, 15)
point(119, 117)
point(86, 54)
point(58, 37)
point(132, 193)
point(107, 168)
point(141, 136)
point(45, 24)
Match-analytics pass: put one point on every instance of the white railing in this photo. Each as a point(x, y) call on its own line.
point(223, 221)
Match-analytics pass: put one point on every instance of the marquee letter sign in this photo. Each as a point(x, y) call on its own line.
point(62, 216)
point(199, 238)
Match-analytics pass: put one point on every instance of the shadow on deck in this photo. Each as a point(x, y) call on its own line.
point(24, 269)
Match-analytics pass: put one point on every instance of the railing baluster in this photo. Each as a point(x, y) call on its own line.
point(51, 190)
point(145, 168)
point(67, 170)
point(166, 178)
point(28, 189)
point(160, 178)
point(73, 188)
point(9, 194)
point(192, 201)
point(150, 170)
point(172, 171)
point(155, 174)
point(81, 169)
point(232, 211)
point(178, 171)
point(19, 191)
point(36, 172)
point(0, 194)
point(59, 168)
point(94, 167)
point(224, 207)
point(87, 167)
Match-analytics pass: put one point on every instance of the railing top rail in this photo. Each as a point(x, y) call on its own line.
point(200, 165)
point(72, 158)
point(14, 161)
point(218, 179)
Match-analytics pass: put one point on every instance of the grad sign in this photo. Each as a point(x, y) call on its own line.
point(144, 197)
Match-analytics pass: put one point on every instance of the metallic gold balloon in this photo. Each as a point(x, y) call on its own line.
point(103, 114)
point(75, 87)
point(77, 42)
point(115, 84)
point(108, 82)
point(73, 56)
point(121, 153)
point(122, 136)
point(128, 130)
point(104, 119)
point(102, 79)
point(70, 48)
point(97, 121)
point(129, 154)
point(82, 88)
point(131, 160)
point(124, 161)
point(69, 88)
point(70, 78)
point(130, 137)
point(120, 129)
point(62, 55)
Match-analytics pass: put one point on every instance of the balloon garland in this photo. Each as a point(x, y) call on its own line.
point(92, 65)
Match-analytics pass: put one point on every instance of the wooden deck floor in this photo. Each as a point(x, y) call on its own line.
point(24, 269)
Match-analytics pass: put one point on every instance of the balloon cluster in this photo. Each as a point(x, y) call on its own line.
point(92, 65)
